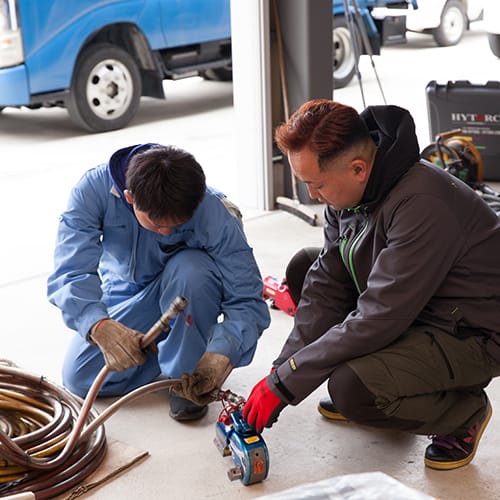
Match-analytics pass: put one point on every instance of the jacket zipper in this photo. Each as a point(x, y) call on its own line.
point(349, 260)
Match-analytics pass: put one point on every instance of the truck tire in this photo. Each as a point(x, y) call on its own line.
point(345, 53)
point(453, 24)
point(494, 43)
point(105, 89)
point(223, 74)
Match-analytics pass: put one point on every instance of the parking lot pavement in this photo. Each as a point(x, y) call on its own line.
point(405, 70)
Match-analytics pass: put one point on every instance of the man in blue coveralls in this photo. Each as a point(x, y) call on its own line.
point(139, 231)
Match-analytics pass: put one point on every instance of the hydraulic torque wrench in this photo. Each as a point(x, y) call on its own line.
point(234, 437)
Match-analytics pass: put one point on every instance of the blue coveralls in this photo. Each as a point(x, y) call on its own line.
point(107, 265)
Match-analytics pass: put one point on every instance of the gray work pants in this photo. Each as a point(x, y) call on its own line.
point(426, 382)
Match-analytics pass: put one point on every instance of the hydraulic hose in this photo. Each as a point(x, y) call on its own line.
point(50, 440)
point(36, 418)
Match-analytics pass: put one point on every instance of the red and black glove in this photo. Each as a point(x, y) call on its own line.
point(262, 407)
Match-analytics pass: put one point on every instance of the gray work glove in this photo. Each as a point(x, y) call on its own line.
point(203, 385)
point(120, 345)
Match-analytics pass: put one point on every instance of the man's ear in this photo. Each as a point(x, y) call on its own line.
point(360, 169)
point(128, 196)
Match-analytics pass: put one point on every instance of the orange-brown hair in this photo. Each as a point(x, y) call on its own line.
point(326, 127)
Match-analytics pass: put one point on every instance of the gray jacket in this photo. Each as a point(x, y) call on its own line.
point(421, 248)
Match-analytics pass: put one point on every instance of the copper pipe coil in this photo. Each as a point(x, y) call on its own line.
point(50, 440)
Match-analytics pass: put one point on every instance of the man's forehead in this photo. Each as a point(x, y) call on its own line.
point(304, 165)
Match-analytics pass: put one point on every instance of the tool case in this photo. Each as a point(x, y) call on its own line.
point(475, 109)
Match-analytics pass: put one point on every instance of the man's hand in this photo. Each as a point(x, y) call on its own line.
point(203, 385)
point(262, 407)
point(120, 345)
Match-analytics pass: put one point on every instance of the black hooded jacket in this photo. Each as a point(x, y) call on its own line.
point(421, 248)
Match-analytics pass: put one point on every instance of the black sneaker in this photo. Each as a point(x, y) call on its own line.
point(451, 452)
point(327, 408)
point(182, 409)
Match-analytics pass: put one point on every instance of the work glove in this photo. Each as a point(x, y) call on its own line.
point(262, 407)
point(203, 385)
point(120, 345)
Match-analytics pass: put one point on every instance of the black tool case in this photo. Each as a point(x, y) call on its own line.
point(475, 109)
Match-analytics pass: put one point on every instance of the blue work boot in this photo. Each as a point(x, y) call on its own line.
point(182, 409)
point(327, 408)
point(450, 452)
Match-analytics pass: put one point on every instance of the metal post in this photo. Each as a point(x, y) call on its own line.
point(307, 41)
point(306, 27)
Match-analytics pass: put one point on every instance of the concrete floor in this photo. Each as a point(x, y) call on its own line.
point(184, 463)
point(43, 155)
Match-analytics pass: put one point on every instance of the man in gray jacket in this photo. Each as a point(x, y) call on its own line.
point(400, 311)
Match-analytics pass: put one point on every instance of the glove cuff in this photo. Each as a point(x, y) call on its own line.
point(280, 386)
point(95, 326)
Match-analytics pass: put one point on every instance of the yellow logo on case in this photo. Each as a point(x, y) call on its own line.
point(251, 439)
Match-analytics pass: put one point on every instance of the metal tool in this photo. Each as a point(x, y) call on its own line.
point(234, 437)
point(278, 295)
point(457, 154)
point(164, 323)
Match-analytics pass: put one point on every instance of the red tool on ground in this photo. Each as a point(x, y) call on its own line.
point(278, 295)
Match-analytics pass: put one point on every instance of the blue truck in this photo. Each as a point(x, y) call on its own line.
point(97, 58)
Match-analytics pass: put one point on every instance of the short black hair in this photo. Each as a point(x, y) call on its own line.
point(165, 182)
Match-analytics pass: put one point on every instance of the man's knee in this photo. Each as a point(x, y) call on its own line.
point(73, 380)
point(352, 399)
point(297, 268)
point(350, 395)
point(192, 269)
point(78, 378)
point(81, 365)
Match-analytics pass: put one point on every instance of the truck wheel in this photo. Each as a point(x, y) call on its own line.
point(223, 74)
point(105, 89)
point(453, 24)
point(494, 42)
point(345, 54)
